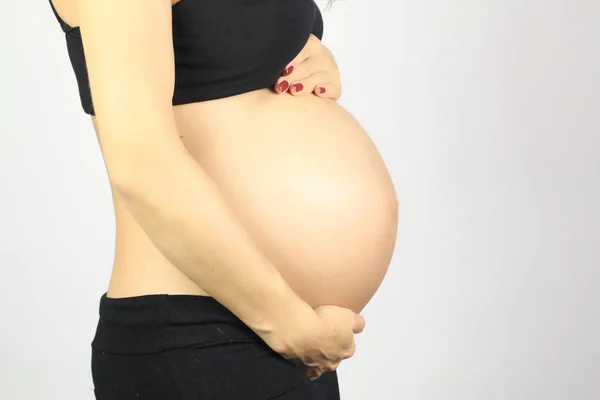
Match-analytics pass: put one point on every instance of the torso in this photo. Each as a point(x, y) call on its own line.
point(302, 176)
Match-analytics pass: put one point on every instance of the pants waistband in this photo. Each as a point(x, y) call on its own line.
point(158, 322)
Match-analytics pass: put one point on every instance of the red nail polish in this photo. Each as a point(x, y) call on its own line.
point(288, 70)
point(283, 85)
point(297, 87)
point(322, 90)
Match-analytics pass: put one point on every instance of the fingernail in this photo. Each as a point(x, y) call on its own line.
point(297, 87)
point(322, 90)
point(288, 70)
point(283, 85)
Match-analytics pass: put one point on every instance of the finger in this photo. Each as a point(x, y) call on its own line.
point(313, 373)
point(350, 352)
point(300, 75)
point(296, 361)
point(332, 367)
point(308, 361)
point(328, 91)
point(305, 54)
point(359, 323)
point(307, 85)
point(308, 67)
point(282, 85)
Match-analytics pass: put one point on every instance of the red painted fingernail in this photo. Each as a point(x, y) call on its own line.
point(288, 70)
point(297, 87)
point(322, 90)
point(283, 85)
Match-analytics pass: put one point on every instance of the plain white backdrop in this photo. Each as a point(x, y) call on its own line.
point(487, 114)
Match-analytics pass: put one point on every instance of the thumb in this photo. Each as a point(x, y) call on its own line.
point(359, 323)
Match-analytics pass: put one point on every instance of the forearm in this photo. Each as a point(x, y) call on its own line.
point(184, 214)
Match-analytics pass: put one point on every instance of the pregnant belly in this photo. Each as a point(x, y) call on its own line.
point(309, 185)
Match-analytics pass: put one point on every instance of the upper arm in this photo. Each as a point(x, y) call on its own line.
point(128, 48)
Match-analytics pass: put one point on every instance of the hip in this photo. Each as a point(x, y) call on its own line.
point(185, 346)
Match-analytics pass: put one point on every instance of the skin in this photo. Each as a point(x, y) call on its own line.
point(313, 70)
point(318, 338)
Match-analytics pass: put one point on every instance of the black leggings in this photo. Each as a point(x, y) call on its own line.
point(186, 347)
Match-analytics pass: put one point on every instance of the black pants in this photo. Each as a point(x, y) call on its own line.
point(185, 347)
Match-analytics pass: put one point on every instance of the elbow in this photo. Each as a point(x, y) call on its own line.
point(126, 188)
point(126, 180)
point(140, 158)
point(141, 172)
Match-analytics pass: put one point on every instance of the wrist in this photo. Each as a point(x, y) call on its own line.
point(284, 311)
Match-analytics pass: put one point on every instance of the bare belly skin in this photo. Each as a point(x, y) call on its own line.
point(305, 180)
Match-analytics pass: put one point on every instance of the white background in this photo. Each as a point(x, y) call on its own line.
point(487, 114)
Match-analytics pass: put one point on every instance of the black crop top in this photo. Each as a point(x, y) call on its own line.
point(222, 47)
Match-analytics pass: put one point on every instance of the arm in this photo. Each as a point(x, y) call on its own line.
point(129, 53)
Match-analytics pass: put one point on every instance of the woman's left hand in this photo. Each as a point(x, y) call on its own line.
point(314, 70)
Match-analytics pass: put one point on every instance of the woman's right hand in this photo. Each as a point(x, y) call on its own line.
point(318, 342)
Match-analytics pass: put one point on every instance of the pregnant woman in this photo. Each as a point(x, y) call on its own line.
point(252, 225)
